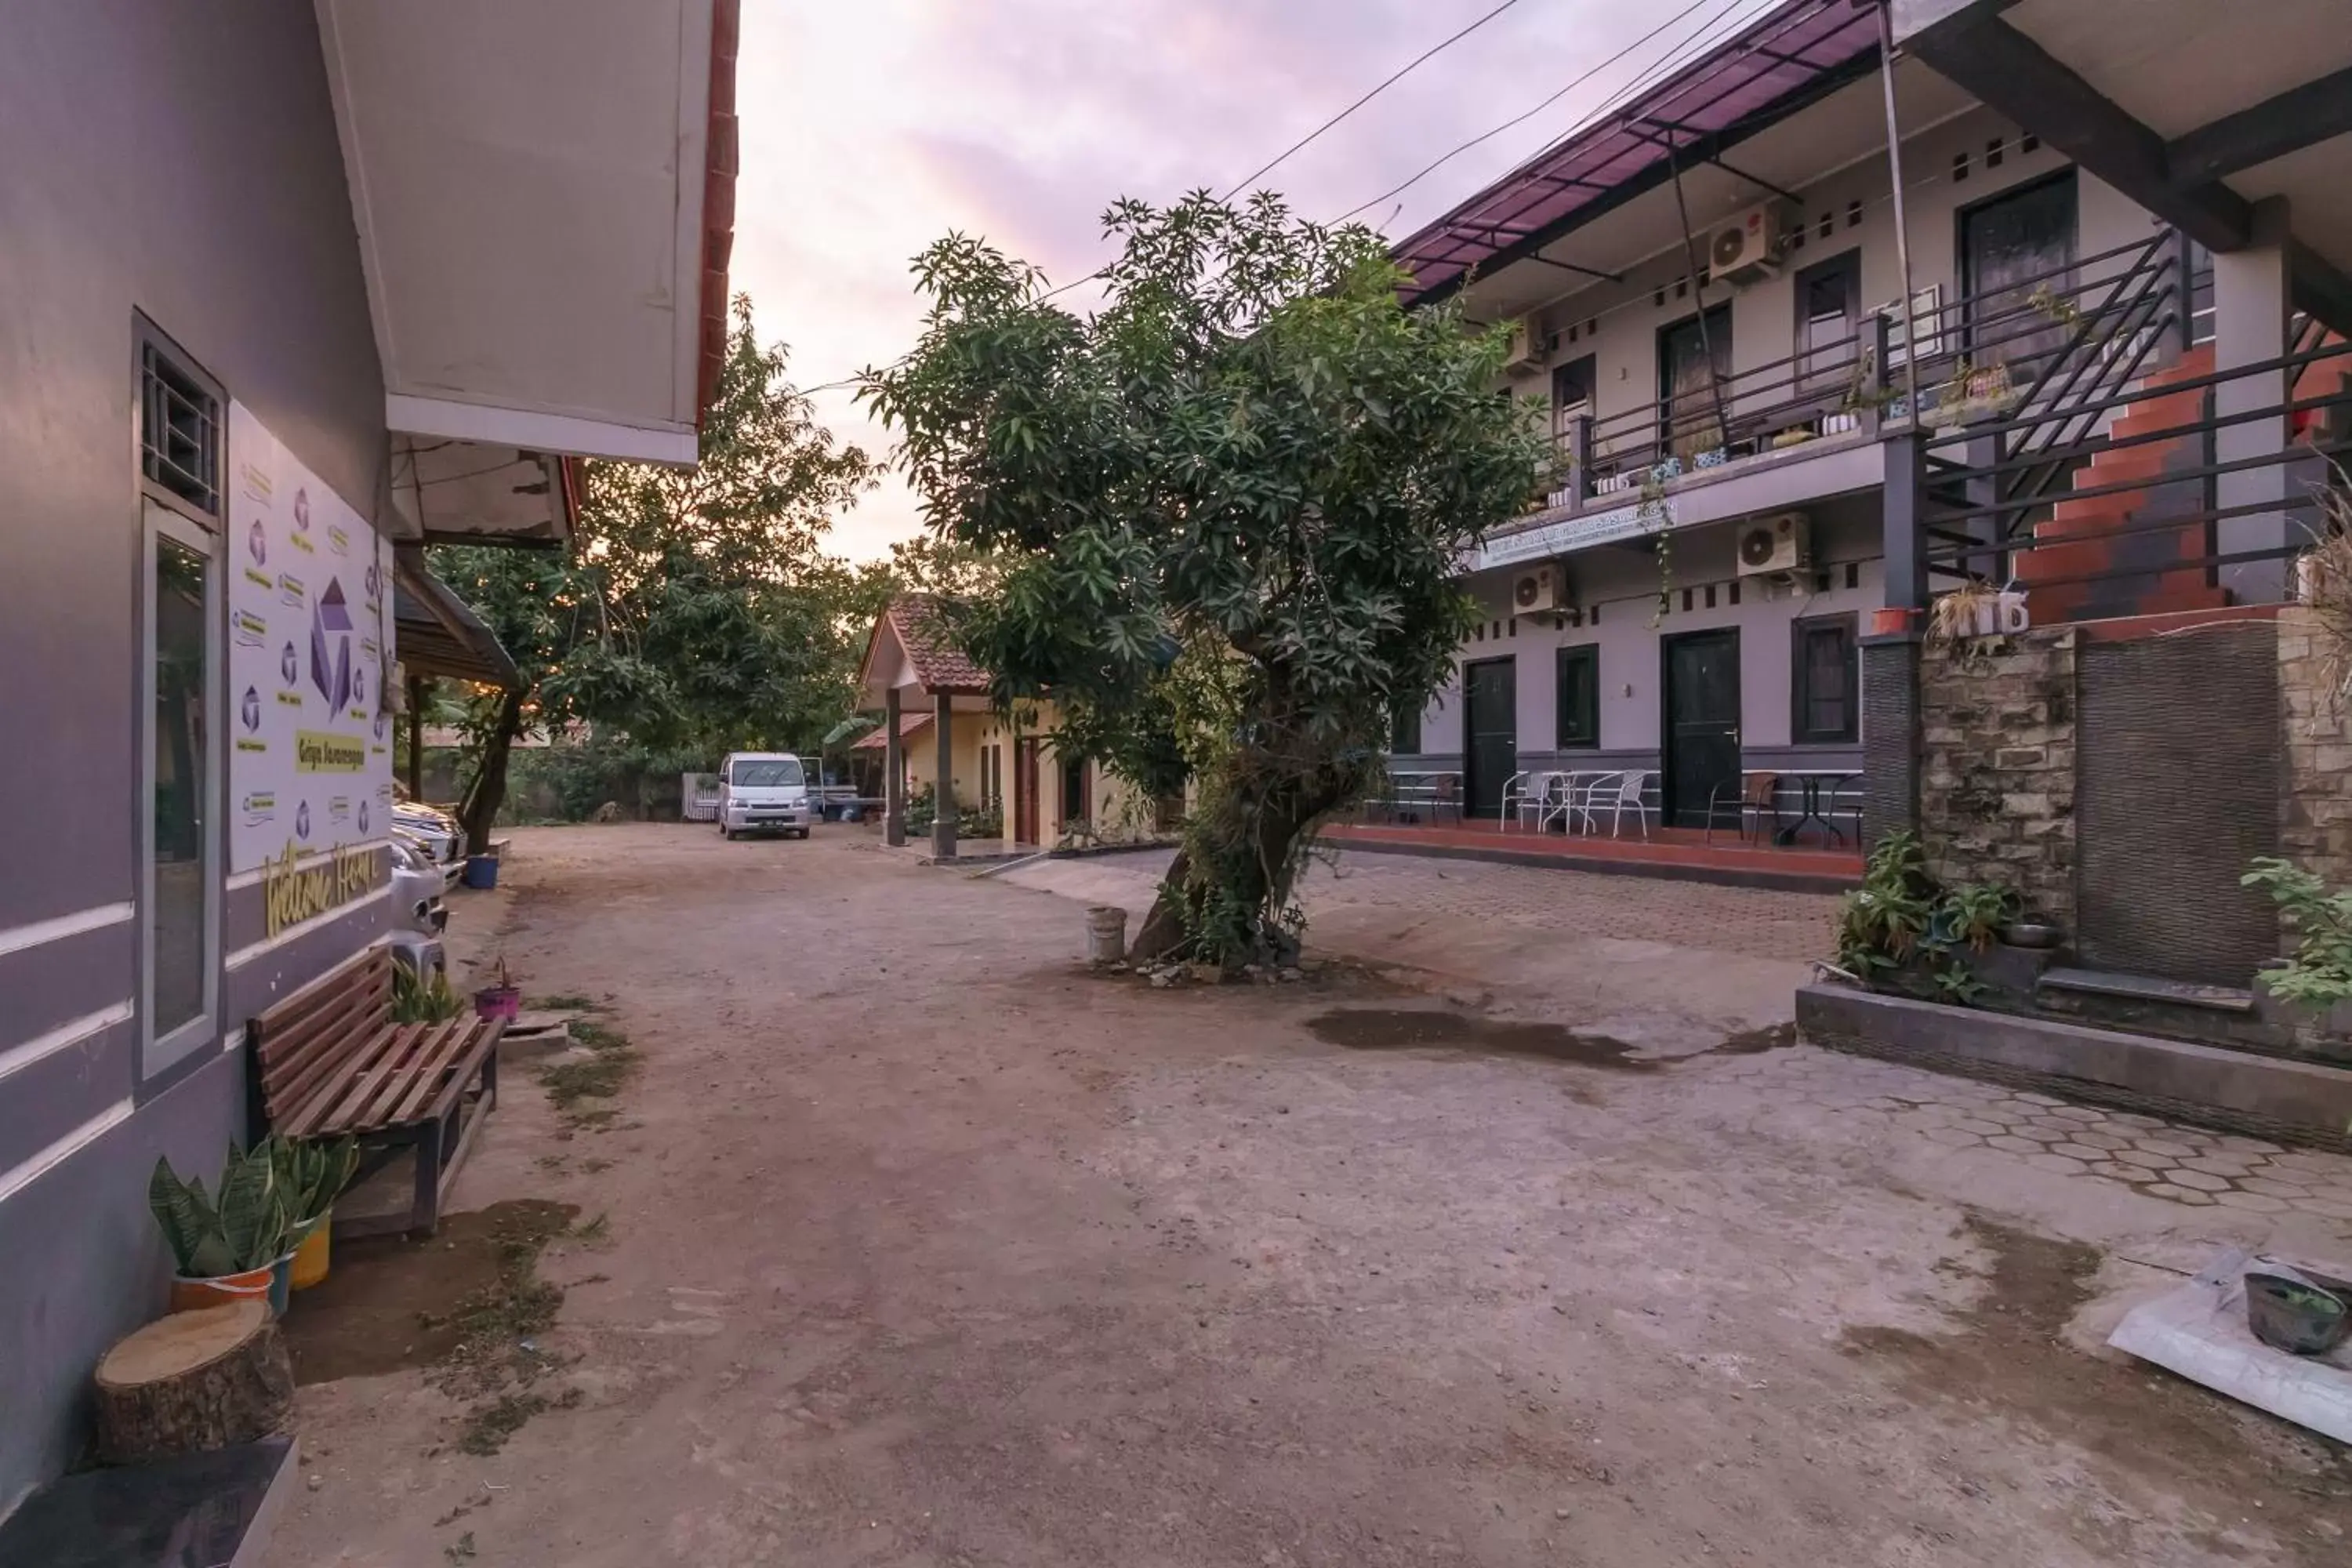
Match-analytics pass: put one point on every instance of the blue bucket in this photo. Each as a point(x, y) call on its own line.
point(481, 871)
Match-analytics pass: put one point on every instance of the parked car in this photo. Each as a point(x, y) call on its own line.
point(417, 884)
point(432, 831)
point(763, 791)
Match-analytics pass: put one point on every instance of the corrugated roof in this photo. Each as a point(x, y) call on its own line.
point(1789, 57)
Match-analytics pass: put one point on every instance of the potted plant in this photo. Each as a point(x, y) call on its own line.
point(225, 1251)
point(2310, 991)
point(500, 999)
point(312, 1174)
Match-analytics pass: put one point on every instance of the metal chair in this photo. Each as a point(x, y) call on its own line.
point(1631, 791)
point(1558, 800)
point(1758, 800)
point(1588, 793)
point(1516, 790)
point(1445, 794)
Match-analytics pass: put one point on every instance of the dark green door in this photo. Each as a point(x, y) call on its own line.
point(1490, 721)
point(1702, 727)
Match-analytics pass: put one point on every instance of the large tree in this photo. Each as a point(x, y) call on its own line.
point(695, 610)
point(1227, 511)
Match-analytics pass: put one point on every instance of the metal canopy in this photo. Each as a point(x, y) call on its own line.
point(436, 634)
point(1793, 56)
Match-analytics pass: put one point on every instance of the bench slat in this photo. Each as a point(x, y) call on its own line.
point(375, 1109)
point(291, 1065)
point(466, 1066)
point(426, 1079)
point(321, 1112)
point(368, 970)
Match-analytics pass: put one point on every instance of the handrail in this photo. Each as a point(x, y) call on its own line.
point(2187, 383)
point(1960, 300)
point(2130, 487)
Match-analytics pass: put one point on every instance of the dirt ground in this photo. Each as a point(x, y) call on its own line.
point(911, 1242)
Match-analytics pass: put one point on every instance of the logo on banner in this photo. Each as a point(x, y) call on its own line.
point(290, 590)
point(375, 581)
point(301, 538)
point(363, 817)
point(288, 670)
point(317, 752)
point(249, 711)
point(256, 543)
point(331, 646)
point(302, 820)
point(252, 631)
point(261, 808)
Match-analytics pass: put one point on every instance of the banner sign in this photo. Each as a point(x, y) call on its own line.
point(309, 614)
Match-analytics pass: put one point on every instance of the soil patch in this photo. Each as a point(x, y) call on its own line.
point(392, 1303)
point(2009, 1358)
point(1400, 1028)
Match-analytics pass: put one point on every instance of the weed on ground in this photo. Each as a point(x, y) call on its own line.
point(497, 1361)
point(599, 1075)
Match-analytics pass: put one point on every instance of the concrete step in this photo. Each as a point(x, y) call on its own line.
point(2147, 988)
point(2236, 1090)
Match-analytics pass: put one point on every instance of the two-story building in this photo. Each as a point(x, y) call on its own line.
point(1722, 304)
point(292, 290)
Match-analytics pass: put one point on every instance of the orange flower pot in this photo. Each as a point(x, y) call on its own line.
point(194, 1295)
point(1889, 621)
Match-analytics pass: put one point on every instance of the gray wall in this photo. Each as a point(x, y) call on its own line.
point(179, 160)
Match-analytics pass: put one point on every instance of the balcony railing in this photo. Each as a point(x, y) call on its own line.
point(2043, 341)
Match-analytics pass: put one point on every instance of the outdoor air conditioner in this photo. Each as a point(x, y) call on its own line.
point(1526, 347)
point(1541, 590)
point(1749, 249)
point(1769, 545)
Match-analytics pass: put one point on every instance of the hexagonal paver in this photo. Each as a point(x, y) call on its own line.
point(2123, 1172)
point(2032, 1099)
point(2237, 1145)
point(1952, 1137)
point(2231, 1166)
point(2180, 1194)
point(2057, 1164)
point(2143, 1158)
point(2098, 1140)
point(2134, 1118)
point(2273, 1187)
point(1981, 1128)
point(2081, 1152)
point(2169, 1147)
point(2015, 1145)
point(2255, 1203)
point(2202, 1181)
point(2328, 1208)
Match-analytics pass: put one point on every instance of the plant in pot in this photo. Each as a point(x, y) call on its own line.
point(312, 1174)
point(1882, 923)
point(225, 1250)
point(502, 998)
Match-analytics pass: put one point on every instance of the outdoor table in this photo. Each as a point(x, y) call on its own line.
point(1810, 787)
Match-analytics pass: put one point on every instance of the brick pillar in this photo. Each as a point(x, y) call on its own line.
point(894, 774)
point(1890, 734)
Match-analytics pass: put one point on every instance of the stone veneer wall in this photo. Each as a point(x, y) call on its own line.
point(2315, 808)
point(1997, 767)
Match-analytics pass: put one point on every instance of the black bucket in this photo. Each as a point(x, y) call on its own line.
point(2295, 1316)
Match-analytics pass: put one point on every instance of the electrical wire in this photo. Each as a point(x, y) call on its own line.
point(1414, 64)
point(1522, 118)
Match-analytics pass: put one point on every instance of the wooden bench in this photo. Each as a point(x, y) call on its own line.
point(329, 1062)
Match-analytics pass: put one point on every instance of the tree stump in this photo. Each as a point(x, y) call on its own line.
point(191, 1382)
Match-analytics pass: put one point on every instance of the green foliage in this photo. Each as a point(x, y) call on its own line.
point(1882, 922)
point(247, 1228)
point(416, 1001)
point(1225, 514)
point(2319, 972)
point(312, 1172)
point(696, 612)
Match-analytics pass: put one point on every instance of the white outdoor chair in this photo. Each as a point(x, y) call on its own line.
point(1589, 793)
point(1516, 790)
point(1629, 791)
point(1556, 800)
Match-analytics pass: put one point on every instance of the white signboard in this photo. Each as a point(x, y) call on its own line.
point(1550, 539)
point(310, 608)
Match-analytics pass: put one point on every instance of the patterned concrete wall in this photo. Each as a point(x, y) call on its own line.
point(2316, 813)
point(1997, 767)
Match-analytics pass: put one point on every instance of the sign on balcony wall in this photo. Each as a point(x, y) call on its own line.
point(309, 589)
point(1568, 534)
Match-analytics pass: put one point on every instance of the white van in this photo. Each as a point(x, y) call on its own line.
point(762, 790)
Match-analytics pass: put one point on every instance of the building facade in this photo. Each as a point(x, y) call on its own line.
point(1706, 289)
point(245, 285)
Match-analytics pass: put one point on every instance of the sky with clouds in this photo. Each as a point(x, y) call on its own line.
point(871, 129)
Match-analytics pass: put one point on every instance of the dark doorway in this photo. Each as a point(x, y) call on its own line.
point(1024, 790)
point(1490, 732)
point(2014, 247)
point(1077, 799)
point(1701, 722)
point(1693, 360)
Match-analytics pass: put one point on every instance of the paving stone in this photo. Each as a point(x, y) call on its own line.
point(2123, 1172)
point(2033, 1098)
point(2171, 1147)
point(2082, 1114)
point(2179, 1195)
point(2254, 1203)
point(2015, 1145)
point(2057, 1164)
point(2142, 1157)
point(2328, 1208)
point(2081, 1152)
point(1980, 1127)
point(2237, 1145)
point(2108, 1141)
point(2272, 1186)
point(2202, 1181)
point(2134, 1118)
point(1952, 1137)
point(2232, 1166)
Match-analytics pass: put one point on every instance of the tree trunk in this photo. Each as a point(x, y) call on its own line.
point(488, 792)
point(191, 1382)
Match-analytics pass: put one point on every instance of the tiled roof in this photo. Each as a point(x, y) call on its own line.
point(876, 737)
point(917, 621)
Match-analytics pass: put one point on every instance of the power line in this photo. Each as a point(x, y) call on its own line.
point(1408, 68)
point(1531, 115)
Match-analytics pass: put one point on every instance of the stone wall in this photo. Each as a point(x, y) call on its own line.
point(1997, 767)
point(2316, 810)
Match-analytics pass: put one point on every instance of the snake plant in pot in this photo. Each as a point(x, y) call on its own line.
point(224, 1248)
point(313, 1174)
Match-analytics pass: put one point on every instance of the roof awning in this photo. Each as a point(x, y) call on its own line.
point(437, 635)
point(544, 196)
point(1794, 55)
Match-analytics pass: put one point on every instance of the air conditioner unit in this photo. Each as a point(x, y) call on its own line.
point(1750, 249)
point(1526, 347)
point(1774, 544)
point(1541, 590)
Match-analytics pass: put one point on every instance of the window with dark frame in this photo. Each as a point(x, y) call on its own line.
point(179, 429)
point(1829, 310)
point(1579, 698)
point(1827, 681)
point(2012, 248)
point(1404, 733)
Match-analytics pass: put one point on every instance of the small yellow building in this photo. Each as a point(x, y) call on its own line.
point(939, 719)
